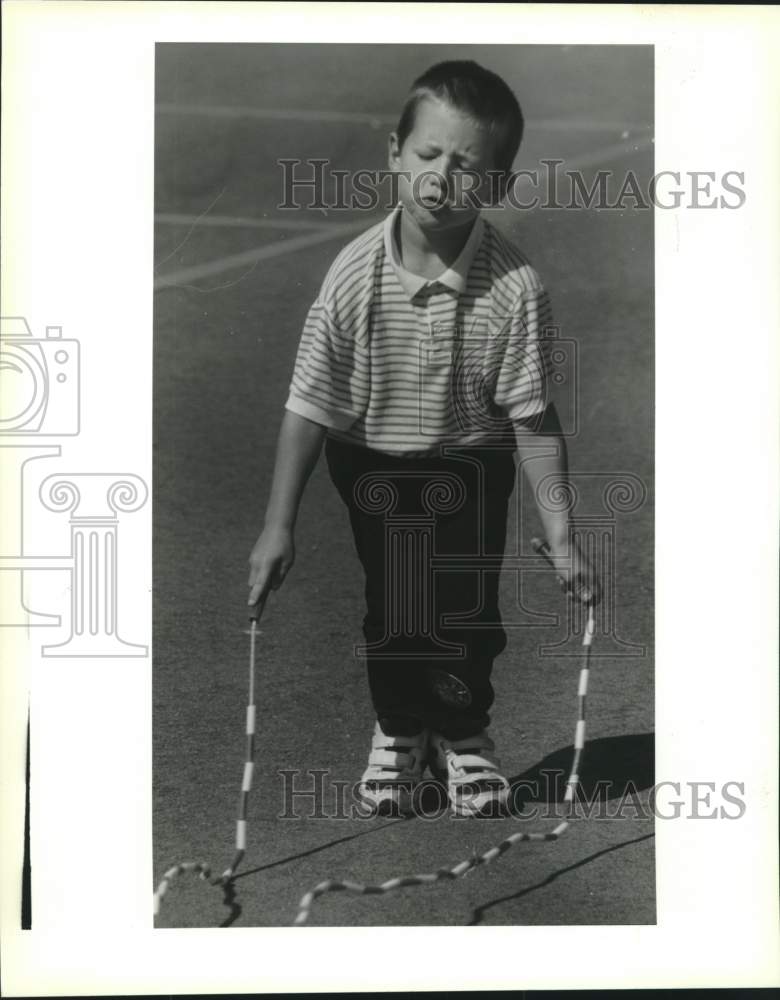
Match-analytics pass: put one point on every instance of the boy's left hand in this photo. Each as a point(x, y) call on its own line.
point(575, 569)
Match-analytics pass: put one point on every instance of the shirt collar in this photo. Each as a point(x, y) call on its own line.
point(454, 277)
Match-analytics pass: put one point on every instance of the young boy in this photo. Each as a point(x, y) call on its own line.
point(423, 364)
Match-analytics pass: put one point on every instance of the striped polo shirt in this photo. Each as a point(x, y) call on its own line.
point(401, 364)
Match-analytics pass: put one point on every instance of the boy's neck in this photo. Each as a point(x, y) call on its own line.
point(429, 255)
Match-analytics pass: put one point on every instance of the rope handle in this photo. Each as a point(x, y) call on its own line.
point(575, 587)
point(256, 609)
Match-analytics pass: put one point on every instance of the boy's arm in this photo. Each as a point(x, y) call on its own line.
point(542, 451)
point(297, 451)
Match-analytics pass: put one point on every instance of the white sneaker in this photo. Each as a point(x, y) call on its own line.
point(395, 768)
point(472, 773)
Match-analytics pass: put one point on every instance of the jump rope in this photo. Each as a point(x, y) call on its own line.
point(203, 870)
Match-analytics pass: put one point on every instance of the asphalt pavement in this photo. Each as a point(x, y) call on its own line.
point(235, 277)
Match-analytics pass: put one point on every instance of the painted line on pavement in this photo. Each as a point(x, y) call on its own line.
point(336, 230)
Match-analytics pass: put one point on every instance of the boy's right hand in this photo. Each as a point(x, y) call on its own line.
point(269, 562)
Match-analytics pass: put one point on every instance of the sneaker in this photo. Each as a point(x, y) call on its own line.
point(472, 774)
point(395, 768)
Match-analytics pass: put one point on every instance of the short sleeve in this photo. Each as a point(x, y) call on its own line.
point(330, 380)
point(522, 386)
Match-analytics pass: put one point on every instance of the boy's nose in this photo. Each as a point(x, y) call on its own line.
point(439, 181)
point(445, 170)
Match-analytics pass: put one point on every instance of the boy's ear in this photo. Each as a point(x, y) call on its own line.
point(393, 151)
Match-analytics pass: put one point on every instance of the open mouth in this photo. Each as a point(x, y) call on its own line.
point(435, 203)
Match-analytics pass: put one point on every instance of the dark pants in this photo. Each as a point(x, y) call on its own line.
point(420, 527)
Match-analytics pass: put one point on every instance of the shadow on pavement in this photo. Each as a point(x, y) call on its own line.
point(479, 911)
point(613, 767)
point(229, 892)
point(229, 900)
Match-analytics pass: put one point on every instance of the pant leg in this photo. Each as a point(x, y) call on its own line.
point(394, 678)
point(410, 678)
point(477, 530)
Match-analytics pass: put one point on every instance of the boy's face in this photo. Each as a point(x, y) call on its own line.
point(445, 156)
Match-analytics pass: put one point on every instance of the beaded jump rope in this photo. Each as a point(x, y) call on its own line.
point(203, 870)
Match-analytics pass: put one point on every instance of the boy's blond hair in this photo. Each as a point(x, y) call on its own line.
point(476, 92)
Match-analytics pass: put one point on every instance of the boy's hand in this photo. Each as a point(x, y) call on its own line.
point(577, 572)
point(270, 562)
